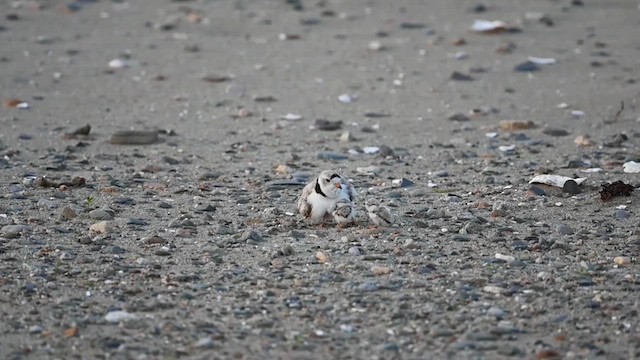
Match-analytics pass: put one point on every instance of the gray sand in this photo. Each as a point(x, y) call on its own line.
point(203, 254)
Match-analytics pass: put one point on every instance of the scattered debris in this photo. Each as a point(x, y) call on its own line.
point(568, 185)
point(614, 189)
point(327, 125)
point(291, 117)
point(214, 79)
point(134, 137)
point(402, 182)
point(583, 140)
point(527, 66)
point(16, 104)
point(458, 76)
point(345, 99)
point(493, 27)
point(541, 61)
point(516, 125)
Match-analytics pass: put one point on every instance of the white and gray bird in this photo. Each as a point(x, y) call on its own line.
point(320, 197)
point(379, 214)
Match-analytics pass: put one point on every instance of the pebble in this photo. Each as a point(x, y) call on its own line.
point(493, 289)
point(527, 66)
point(68, 213)
point(345, 99)
point(14, 231)
point(119, 316)
point(622, 260)
point(496, 312)
point(101, 227)
point(204, 343)
point(251, 236)
point(356, 251)
point(101, 214)
point(631, 167)
point(134, 137)
point(621, 214)
point(402, 182)
point(564, 229)
point(380, 270)
point(35, 329)
point(322, 257)
point(204, 208)
point(555, 132)
point(507, 258)
point(331, 156)
point(327, 125)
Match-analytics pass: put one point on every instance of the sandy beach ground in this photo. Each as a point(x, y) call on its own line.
point(184, 241)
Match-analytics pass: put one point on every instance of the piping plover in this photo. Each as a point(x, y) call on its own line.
point(320, 197)
point(379, 214)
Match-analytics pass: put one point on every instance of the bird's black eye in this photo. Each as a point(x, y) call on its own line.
point(325, 180)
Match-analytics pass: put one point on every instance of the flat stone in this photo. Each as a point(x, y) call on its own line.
point(14, 231)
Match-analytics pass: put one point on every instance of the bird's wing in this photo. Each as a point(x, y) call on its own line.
point(385, 214)
point(351, 190)
point(303, 205)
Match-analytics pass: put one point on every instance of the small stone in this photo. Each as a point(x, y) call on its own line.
point(459, 117)
point(527, 66)
point(251, 236)
point(101, 214)
point(402, 182)
point(516, 125)
point(571, 187)
point(346, 137)
point(279, 263)
point(322, 257)
point(493, 289)
point(204, 343)
point(583, 140)
point(622, 260)
point(101, 227)
point(119, 316)
point(355, 251)
point(621, 214)
point(458, 76)
point(283, 169)
point(345, 99)
point(380, 270)
point(67, 213)
point(555, 132)
point(375, 45)
point(204, 208)
point(327, 125)
point(14, 231)
point(331, 156)
point(133, 137)
point(35, 329)
point(631, 167)
point(507, 258)
point(564, 229)
point(496, 312)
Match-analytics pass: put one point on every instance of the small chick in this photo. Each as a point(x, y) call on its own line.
point(379, 214)
point(344, 212)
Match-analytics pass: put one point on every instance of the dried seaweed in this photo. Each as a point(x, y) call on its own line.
point(614, 189)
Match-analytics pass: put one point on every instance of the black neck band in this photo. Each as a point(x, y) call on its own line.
point(318, 189)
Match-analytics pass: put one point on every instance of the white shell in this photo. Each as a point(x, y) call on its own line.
point(554, 180)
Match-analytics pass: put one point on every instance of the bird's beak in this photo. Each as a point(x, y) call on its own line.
point(338, 186)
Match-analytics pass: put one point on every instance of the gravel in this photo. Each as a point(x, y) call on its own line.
point(148, 207)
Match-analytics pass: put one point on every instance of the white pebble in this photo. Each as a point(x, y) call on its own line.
point(118, 316)
point(345, 99)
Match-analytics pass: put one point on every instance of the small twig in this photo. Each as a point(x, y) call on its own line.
point(617, 115)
